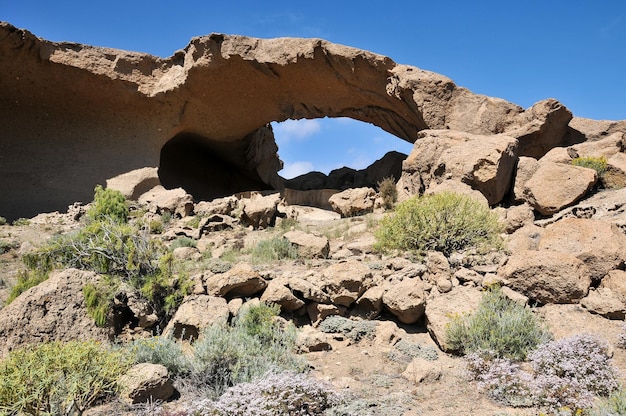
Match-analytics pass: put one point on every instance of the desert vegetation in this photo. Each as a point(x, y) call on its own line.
point(445, 222)
point(253, 363)
point(511, 357)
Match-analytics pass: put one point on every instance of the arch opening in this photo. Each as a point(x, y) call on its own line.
point(207, 169)
point(337, 153)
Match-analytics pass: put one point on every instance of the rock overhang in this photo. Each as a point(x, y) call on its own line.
point(75, 115)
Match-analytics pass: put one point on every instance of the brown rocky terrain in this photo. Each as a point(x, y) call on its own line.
point(102, 113)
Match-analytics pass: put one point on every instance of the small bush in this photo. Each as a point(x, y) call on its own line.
point(566, 376)
point(445, 222)
point(274, 249)
point(21, 222)
point(98, 299)
point(501, 379)
point(387, 189)
point(6, 246)
point(256, 344)
point(284, 393)
point(354, 330)
point(581, 358)
point(3, 221)
point(25, 280)
point(156, 227)
point(104, 246)
point(614, 405)
point(500, 325)
point(406, 351)
point(182, 242)
point(58, 378)
point(599, 164)
point(162, 350)
point(194, 222)
point(108, 204)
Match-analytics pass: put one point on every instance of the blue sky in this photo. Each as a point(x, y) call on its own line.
point(522, 51)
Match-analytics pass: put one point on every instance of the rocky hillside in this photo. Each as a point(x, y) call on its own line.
point(563, 256)
point(370, 310)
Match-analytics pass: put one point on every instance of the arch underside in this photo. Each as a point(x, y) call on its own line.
point(73, 115)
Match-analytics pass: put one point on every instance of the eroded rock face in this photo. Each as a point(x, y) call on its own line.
point(599, 244)
point(203, 114)
point(486, 163)
point(547, 276)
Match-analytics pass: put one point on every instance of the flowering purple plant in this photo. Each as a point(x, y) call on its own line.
point(564, 374)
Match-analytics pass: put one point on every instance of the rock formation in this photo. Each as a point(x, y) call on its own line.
point(74, 115)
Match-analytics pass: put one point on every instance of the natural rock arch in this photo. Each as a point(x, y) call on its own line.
point(73, 115)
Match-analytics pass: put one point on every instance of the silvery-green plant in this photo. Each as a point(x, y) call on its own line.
point(284, 393)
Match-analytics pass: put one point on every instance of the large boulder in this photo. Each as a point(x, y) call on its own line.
point(607, 205)
point(240, 281)
point(259, 210)
point(352, 202)
point(554, 186)
point(345, 282)
point(146, 383)
point(54, 310)
point(219, 206)
point(541, 128)
point(605, 303)
point(594, 130)
point(526, 167)
point(278, 293)
point(599, 244)
point(615, 280)
point(309, 245)
point(196, 313)
point(406, 300)
point(175, 201)
point(135, 183)
point(547, 276)
point(486, 163)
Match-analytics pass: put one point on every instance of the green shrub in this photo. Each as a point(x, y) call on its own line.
point(354, 330)
point(273, 249)
point(25, 280)
point(500, 325)
point(98, 299)
point(194, 222)
point(166, 217)
point(113, 249)
point(256, 344)
point(182, 242)
point(108, 204)
point(259, 321)
point(104, 246)
point(406, 351)
point(614, 405)
point(445, 222)
point(277, 393)
point(599, 164)
point(3, 221)
point(58, 378)
point(387, 189)
point(21, 222)
point(156, 227)
point(162, 350)
point(6, 246)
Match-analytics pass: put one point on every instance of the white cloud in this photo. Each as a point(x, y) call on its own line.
point(295, 129)
point(291, 170)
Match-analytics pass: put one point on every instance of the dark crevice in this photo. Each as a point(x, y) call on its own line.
point(207, 169)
